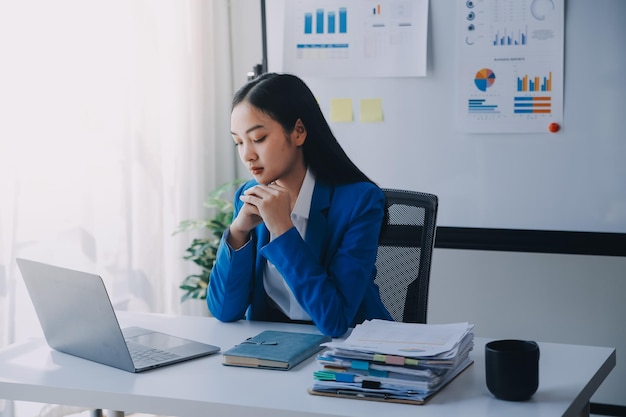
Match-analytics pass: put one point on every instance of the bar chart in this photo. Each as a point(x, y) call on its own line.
point(322, 21)
point(527, 83)
point(532, 105)
point(506, 37)
point(480, 105)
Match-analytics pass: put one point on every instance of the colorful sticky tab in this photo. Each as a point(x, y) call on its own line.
point(344, 377)
point(378, 373)
point(411, 361)
point(394, 360)
point(362, 365)
point(379, 358)
point(324, 376)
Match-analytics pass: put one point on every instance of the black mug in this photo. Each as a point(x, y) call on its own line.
point(512, 369)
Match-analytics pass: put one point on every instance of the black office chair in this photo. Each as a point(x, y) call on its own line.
point(404, 253)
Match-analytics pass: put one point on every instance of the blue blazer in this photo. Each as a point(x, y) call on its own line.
point(331, 272)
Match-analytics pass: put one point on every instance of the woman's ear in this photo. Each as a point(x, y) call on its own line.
point(299, 133)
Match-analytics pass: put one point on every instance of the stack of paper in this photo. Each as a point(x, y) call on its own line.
point(385, 360)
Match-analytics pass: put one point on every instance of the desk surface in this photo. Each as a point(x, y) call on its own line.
point(31, 371)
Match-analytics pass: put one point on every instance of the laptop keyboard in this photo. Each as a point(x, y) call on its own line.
point(145, 355)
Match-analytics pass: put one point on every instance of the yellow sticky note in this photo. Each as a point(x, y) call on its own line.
point(371, 110)
point(341, 110)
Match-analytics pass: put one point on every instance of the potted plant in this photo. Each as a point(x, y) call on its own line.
point(202, 251)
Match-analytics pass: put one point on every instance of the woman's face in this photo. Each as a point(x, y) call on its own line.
point(264, 147)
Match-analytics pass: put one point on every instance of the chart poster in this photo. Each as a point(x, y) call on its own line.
point(510, 65)
point(355, 38)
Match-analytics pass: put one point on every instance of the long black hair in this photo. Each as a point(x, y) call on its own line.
point(286, 98)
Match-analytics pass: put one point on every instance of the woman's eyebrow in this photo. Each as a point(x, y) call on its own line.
point(255, 127)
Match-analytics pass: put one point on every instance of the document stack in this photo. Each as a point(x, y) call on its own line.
point(396, 362)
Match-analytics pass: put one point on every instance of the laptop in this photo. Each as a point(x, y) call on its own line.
point(77, 318)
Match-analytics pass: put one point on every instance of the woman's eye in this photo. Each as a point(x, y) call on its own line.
point(259, 139)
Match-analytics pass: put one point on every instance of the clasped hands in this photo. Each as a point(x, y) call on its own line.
point(263, 203)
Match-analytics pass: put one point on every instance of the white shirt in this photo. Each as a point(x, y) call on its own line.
point(274, 283)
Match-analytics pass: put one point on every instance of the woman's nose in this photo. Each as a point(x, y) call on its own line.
point(247, 152)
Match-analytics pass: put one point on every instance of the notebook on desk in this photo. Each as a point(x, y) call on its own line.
point(77, 318)
point(275, 349)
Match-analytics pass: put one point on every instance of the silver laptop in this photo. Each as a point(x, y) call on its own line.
point(77, 317)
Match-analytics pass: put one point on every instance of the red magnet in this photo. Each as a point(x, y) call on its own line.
point(554, 127)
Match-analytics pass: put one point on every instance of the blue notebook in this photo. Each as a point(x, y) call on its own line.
point(272, 349)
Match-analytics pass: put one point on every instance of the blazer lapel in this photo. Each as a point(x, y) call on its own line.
point(318, 218)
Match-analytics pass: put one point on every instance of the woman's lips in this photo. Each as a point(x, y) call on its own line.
point(256, 170)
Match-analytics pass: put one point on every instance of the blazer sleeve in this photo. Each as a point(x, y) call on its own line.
point(333, 290)
point(232, 277)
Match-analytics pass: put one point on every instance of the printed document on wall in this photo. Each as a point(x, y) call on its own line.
point(355, 38)
point(510, 69)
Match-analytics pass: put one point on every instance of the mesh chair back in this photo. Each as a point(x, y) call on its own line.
point(404, 254)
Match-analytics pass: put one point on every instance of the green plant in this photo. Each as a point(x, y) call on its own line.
point(202, 251)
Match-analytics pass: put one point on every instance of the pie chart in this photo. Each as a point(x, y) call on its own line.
point(484, 79)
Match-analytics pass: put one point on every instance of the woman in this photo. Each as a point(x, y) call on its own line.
point(303, 242)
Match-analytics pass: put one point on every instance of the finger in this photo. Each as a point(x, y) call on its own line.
point(249, 199)
point(257, 190)
point(264, 191)
point(274, 187)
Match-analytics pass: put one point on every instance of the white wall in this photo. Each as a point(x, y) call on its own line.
point(545, 297)
point(246, 35)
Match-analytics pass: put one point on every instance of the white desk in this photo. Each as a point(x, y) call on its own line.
point(31, 371)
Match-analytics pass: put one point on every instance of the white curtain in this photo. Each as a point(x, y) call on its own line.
point(114, 125)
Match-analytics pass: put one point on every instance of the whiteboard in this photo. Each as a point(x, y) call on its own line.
point(573, 180)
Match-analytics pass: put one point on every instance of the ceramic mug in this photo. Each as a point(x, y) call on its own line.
point(512, 369)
